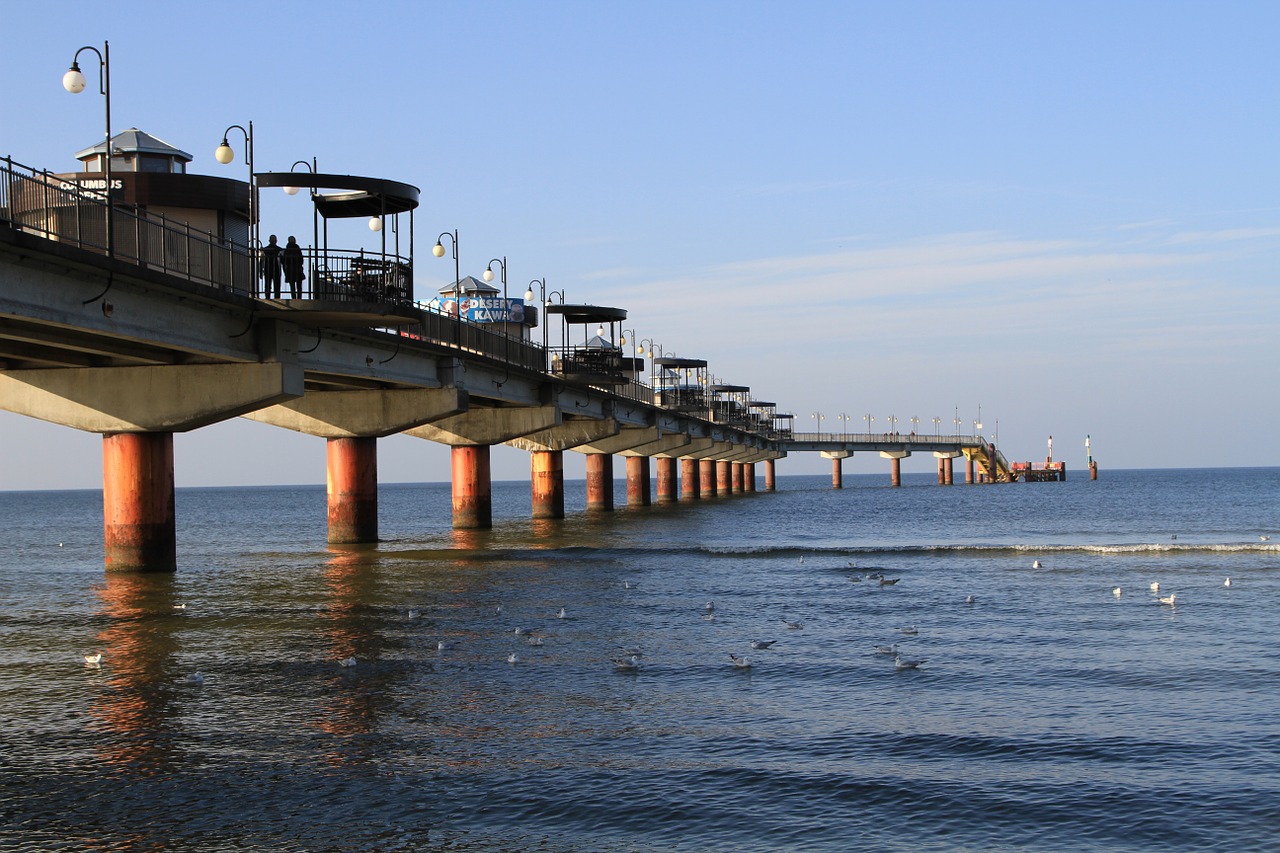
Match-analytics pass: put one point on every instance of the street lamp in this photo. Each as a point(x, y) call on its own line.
point(844, 419)
point(506, 309)
point(310, 167)
point(502, 268)
point(893, 424)
point(977, 424)
point(73, 81)
point(819, 417)
point(438, 251)
point(956, 421)
point(224, 155)
point(915, 422)
point(870, 420)
point(937, 427)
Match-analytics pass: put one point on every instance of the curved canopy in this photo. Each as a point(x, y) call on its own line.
point(679, 362)
point(364, 197)
point(587, 313)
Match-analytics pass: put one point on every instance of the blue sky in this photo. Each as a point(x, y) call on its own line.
point(1065, 213)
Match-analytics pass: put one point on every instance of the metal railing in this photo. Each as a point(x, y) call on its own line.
point(42, 204)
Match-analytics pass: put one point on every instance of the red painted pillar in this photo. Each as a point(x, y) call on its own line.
point(723, 480)
point(968, 470)
point(637, 481)
point(139, 534)
point(837, 473)
point(689, 480)
point(472, 489)
point(895, 472)
point(546, 479)
point(668, 482)
point(749, 476)
point(735, 477)
point(352, 467)
point(942, 471)
point(951, 469)
point(770, 479)
point(707, 477)
point(1093, 471)
point(600, 481)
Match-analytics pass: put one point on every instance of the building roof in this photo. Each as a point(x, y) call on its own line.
point(134, 141)
point(469, 284)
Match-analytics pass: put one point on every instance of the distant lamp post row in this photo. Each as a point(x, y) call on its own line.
point(73, 81)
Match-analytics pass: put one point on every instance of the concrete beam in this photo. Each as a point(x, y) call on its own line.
point(156, 398)
point(694, 447)
point(626, 439)
point(363, 414)
point(835, 454)
point(478, 427)
point(894, 454)
point(717, 450)
point(665, 446)
point(567, 435)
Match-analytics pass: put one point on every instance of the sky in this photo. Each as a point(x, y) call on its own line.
point(1062, 218)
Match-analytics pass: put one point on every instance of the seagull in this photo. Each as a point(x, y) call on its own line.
point(561, 614)
point(1117, 592)
point(899, 663)
point(794, 626)
point(762, 644)
point(535, 641)
point(969, 599)
point(1227, 582)
point(93, 660)
point(631, 664)
point(1260, 537)
point(414, 614)
point(1035, 564)
point(709, 606)
point(347, 662)
point(513, 658)
point(910, 630)
point(1155, 586)
point(855, 579)
point(802, 558)
point(180, 607)
point(441, 646)
point(499, 613)
point(887, 650)
point(627, 584)
point(889, 581)
point(1170, 600)
point(739, 662)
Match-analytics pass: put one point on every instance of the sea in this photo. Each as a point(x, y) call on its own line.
point(1015, 683)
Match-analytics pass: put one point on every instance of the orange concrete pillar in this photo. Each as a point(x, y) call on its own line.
point(1093, 471)
point(600, 481)
point(968, 470)
point(735, 477)
point(689, 481)
point(352, 468)
point(895, 472)
point(951, 470)
point(723, 478)
point(770, 477)
point(546, 480)
point(638, 481)
point(837, 473)
point(472, 489)
point(749, 476)
point(139, 534)
point(668, 481)
point(942, 471)
point(707, 477)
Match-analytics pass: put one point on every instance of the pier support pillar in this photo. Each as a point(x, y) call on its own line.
point(837, 473)
point(1093, 471)
point(139, 533)
point(707, 477)
point(748, 476)
point(546, 477)
point(951, 469)
point(689, 481)
point(724, 479)
point(942, 472)
point(895, 472)
point(735, 477)
point(668, 481)
point(472, 487)
point(352, 469)
point(600, 482)
point(968, 470)
point(638, 481)
point(770, 477)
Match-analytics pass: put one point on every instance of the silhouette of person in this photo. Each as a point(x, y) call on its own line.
point(291, 261)
point(270, 268)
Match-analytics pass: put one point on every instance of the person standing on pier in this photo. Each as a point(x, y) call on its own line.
point(270, 269)
point(291, 260)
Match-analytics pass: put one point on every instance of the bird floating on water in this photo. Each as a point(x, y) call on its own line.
point(347, 662)
point(794, 626)
point(739, 661)
point(1260, 537)
point(1035, 564)
point(899, 663)
point(709, 607)
point(631, 664)
point(969, 599)
point(535, 641)
point(1227, 582)
point(561, 614)
point(1155, 586)
point(414, 614)
point(762, 644)
point(887, 650)
point(1170, 600)
point(180, 606)
point(93, 660)
point(441, 646)
point(889, 581)
point(1117, 592)
point(513, 658)
point(910, 630)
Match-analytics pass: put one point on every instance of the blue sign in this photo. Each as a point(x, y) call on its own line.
point(481, 309)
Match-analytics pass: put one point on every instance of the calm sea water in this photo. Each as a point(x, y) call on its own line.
point(1051, 715)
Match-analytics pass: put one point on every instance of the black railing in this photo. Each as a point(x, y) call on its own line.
point(63, 211)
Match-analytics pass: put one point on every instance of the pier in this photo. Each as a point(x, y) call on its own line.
point(118, 316)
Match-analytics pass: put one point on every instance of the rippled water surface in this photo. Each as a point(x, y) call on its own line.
point(1050, 714)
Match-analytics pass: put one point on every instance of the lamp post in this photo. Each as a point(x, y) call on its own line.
point(870, 420)
point(73, 81)
point(956, 421)
point(438, 251)
point(819, 417)
point(915, 422)
point(893, 424)
point(977, 424)
point(937, 427)
point(844, 419)
point(506, 309)
point(224, 155)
